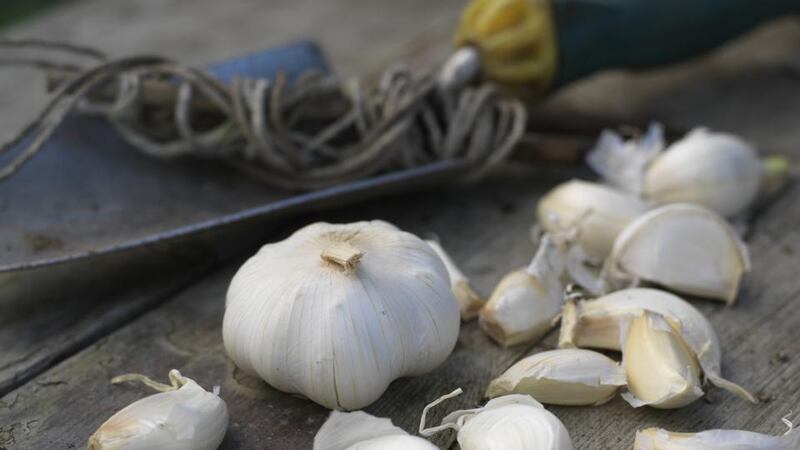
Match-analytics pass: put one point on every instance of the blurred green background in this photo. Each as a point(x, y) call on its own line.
point(13, 11)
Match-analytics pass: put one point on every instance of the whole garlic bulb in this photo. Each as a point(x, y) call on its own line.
point(337, 312)
point(658, 439)
point(183, 416)
point(599, 323)
point(716, 170)
point(597, 212)
point(684, 247)
point(361, 431)
point(511, 422)
point(562, 377)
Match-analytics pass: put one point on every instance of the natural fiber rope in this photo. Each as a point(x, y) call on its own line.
point(316, 132)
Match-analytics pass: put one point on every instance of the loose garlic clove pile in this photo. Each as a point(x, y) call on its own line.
point(662, 371)
point(716, 170)
point(598, 324)
point(525, 304)
point(658, 439)
point(511, 422)
point(469, 302)
point(183, 416)
point(337, 312)
point(361, 431)
point(562, 377)
point(683, 247)
point(597, 212)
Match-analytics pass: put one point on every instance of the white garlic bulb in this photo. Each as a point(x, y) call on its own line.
point(684, 247)
point(361, 431)
point(526, 302)
point(511, 422)
point(598, 323)
point(469, 302)
point(716, 170)
point(597, 212)
point(337, 312)
point(662, 371)
point(658, 439)
point(562, 377)
point(183, 416)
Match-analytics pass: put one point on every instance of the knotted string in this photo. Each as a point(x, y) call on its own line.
point(315, 132)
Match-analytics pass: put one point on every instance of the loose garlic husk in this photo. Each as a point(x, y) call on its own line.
point(598, 323)
point(659, 439)
point(662, 371)
point(717, 170)
point(361, 431)
point(337, 312)
point(469, 302)
point(598, 213)
point(511, 422)
point(526, 302)
point(562, 377)
point(183, 416)
point(683, 247)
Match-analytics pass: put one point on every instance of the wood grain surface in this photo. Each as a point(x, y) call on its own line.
point(750, 87)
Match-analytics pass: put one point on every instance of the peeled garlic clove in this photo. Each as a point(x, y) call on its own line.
point(684, 247)
point(183, 417)
point(526, 302)
point(715, 170)
point(337, 312)
point(598, 323)
point(659, 439)
point(662, 371)
point(511, 422)
point(469, 302)
point(562, 377)
point(597, 212)
point(361, 431)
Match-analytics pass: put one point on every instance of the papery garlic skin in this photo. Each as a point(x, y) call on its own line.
point(597, 212)
point(662, 371)
point(562, 377)
point(361, 431)
point(511, 422)
point(469, 302)
point(337, 312)
point(684, 247)
point(526, 302)
point(187, 418)
point(658, 439)
point(717, 170)
point(598, 323)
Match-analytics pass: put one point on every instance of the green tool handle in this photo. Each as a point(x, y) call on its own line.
point(594, 35)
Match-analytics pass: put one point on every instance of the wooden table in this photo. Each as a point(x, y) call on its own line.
point(751, 87)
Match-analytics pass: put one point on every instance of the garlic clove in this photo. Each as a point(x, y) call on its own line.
point(659, 439)
point(562, 377)
point(337, 312)
point(183, 417)
point(469, 302)
point(598, 323)
point(683, 247)
point(526, 302)
point(623, 163)
point(662, 371)
point(598, 213)
point(361, 431)
point(511, 422)
point(716, 170)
